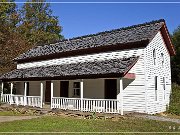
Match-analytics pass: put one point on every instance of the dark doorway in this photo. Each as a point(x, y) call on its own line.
point(110, 89)
point(48, 91)
point(64, 87)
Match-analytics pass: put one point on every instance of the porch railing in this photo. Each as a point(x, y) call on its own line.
point(100, 105)
point(89, 105)
point(5, 98)
point(34, 101)
point(17, 99)
point(66, 103)
point(86, 105)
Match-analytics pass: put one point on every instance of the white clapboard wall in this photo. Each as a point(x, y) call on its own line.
point(160, 70)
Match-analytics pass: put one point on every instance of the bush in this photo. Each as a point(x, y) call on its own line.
point(174, 106)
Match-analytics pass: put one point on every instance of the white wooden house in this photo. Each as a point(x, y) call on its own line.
point(126, 69)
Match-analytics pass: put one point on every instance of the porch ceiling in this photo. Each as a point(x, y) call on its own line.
point(95, 69)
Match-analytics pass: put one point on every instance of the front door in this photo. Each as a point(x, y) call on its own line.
point(110, 89)
point(48, 91)
point(64, 87)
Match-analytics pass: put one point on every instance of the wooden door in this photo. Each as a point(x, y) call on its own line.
point(110, 89)
point(48, 91)
point(64, 88)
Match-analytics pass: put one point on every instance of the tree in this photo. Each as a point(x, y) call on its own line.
point(38, 25)
point(8, 13)
point(8, 22)
point(8, 19)
point(176, 59)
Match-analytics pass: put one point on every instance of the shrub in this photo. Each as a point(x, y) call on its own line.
point(174, 106)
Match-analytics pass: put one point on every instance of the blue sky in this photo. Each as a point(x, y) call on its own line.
point(83, 19)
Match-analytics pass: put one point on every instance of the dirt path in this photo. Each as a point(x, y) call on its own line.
point(12, 118)
point(159, 118)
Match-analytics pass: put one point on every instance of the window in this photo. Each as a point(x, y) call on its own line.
point(156, 85)
point(162, 58)
point(154, 56)
point(76, 88)
point(164, 88)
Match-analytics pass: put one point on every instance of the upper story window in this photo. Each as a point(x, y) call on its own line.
point(162, 58)
point(76, 89)
point(154, 56)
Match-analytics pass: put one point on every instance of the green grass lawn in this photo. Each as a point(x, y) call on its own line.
point(66, 124)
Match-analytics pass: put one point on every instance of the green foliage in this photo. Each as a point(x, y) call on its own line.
point(93, 116)
point(8, 19)
point(175, 61)
point(8, 14)
point(174, 106)
point(22, 29)
point(38, 25)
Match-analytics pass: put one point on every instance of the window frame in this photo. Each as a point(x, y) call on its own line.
point(76, 89)
point(162, 59)
point(154, 56)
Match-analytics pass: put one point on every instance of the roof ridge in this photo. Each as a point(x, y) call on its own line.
point(122, 28)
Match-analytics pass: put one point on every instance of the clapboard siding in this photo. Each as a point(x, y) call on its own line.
point(83, 58)
point(134, 92)
point(157, 70)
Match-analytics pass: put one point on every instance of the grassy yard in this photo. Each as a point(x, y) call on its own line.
point(66, 124)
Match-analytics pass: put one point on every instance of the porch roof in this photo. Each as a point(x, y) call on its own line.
point(96, 69)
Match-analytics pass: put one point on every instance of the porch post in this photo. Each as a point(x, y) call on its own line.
point(25, 93)
point(52, 94)
point(41, 94)
point(2, 87)
point(81, 88)
point(121, 95)
point(11, 93)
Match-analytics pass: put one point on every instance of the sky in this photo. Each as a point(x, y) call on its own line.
point(79, 19)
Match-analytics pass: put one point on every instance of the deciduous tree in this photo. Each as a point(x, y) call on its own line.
point(38, 25)
point(176, 59)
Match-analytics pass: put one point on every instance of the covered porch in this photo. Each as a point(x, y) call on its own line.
point(88, 95)
point(88, 86)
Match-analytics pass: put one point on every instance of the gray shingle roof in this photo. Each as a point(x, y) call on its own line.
point(97, 68)
point(135, 33)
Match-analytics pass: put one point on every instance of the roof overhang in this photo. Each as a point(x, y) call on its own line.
point(167, 40)
point(87, 70)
